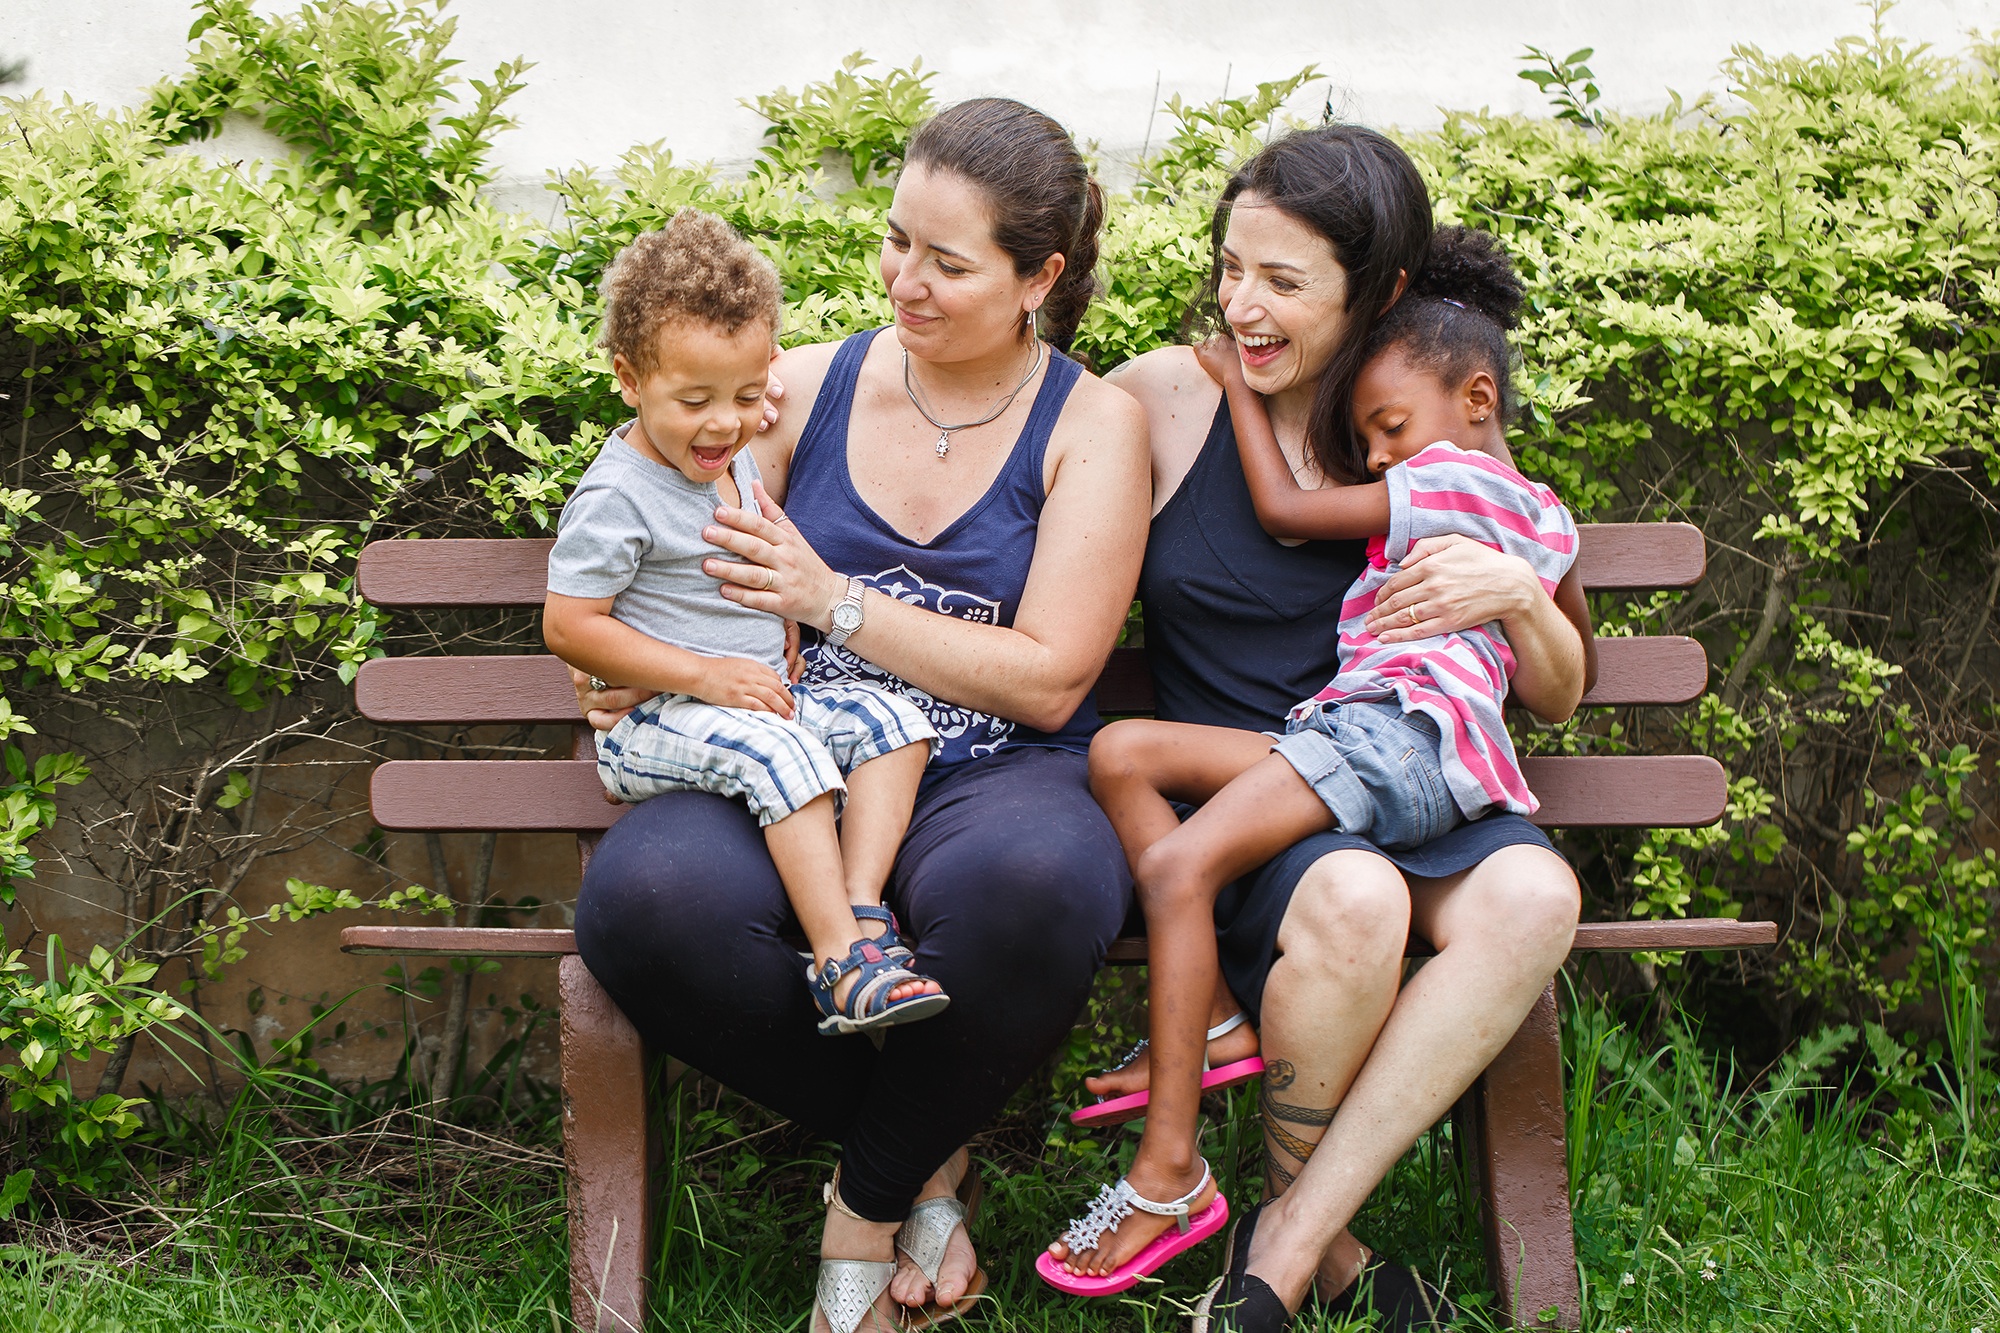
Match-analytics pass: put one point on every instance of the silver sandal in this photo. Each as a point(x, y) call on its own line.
point(925, 1237)
point(926, 1233)
point(847, 1289)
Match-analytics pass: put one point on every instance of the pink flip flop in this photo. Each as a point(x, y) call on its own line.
point(1115, 1203)
point(1132, 1105)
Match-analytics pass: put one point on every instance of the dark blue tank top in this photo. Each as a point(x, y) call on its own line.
point(1239, 626)
point(976, 569)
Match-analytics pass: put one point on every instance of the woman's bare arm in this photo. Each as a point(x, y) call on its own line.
point(1576, 609)
point(1091, 538)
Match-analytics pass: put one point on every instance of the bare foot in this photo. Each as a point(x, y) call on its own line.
point(1277, 1258)
point(1238, 1044)
point(847, 1238)
point(911, 1287)
point(1340, 1265)
point(1115, 1248)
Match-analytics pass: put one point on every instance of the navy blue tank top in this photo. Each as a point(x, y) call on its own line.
point(1239, 626)
point(976, 569)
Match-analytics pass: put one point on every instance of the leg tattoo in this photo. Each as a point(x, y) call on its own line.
point(1280, 1075)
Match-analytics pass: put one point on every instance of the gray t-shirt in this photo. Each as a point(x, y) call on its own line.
point(632, 532)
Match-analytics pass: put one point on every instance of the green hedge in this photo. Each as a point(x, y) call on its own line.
point(1770, 314)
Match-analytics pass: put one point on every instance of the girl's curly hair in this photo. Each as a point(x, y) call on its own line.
point(1455, 316)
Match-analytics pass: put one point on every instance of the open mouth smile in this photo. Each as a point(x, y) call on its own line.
point(1260, 349)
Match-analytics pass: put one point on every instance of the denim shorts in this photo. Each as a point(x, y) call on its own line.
point(1377, 768)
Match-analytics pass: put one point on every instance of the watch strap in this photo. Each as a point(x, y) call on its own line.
point(837, 636)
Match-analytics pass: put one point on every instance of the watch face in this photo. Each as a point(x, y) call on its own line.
point(847, 617)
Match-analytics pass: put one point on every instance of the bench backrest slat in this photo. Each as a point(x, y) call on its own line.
point(455, 690)
point(443, 572)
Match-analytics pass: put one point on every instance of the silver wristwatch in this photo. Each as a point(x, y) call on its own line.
point(847, 614)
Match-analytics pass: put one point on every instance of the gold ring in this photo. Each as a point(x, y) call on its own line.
point(1411, 611)
point(770, 577)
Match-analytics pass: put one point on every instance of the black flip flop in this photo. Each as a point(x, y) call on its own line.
point(1395, 1296)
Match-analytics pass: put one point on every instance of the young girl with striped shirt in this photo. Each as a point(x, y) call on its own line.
point(1406, 742)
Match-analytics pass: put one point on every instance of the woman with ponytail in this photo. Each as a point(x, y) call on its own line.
point(963, 518)
point(1323, 245)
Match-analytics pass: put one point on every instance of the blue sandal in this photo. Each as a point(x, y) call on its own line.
point(890, 941)
point(868, 1007)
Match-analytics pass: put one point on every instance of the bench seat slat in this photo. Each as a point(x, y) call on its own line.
point(449, 795)
point(491, 942)
point(513, 571)
point(452, 690)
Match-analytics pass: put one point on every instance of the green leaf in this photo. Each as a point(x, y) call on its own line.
point(15, 1192)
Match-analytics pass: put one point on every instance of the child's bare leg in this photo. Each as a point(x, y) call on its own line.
point(1137, 767)
point(805, 847)
point(1249, 821)
point(1130, 761)
point(880, 795)
point(1239, 1043)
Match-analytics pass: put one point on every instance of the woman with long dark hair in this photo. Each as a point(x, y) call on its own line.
point(1314, 239)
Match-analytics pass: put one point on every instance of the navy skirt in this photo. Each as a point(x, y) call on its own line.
point(1249, 912)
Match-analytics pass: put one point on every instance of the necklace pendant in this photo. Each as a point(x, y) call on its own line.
point(943, 445)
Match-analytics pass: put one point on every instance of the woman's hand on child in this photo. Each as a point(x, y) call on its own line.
point(738, 682)
point(1447, 584)
point(1217, 356)
point(782, 573)
point(774, 392)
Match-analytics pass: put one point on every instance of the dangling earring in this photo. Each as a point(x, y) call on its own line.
point(1034, 322)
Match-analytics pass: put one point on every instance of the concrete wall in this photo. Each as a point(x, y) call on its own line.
point(613, 73)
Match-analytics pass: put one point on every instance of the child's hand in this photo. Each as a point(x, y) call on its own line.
point(1218, 357)
point(737, 682)
point(795, 666)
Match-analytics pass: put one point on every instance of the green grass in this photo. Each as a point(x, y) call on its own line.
point(1828, 1194)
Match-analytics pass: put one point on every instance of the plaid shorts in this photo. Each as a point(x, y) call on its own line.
point(674, 742)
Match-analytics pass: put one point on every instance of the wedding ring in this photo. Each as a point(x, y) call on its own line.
point(1411, 612)
point(597, 685)
point(770, 577)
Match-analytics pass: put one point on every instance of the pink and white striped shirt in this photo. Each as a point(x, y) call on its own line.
point(1459, 680)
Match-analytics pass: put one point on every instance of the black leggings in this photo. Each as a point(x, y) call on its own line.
point(1011, 883)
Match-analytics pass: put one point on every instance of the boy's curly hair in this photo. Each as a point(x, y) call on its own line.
point(695, 269)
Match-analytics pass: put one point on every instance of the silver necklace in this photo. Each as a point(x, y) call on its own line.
point(943, 445)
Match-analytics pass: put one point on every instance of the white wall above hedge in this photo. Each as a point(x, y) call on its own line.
point(612, 73)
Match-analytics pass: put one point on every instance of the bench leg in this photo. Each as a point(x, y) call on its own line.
point(604, 1142)
point(1519, 1120)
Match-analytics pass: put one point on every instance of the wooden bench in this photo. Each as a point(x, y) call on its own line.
point(1512, 1121)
